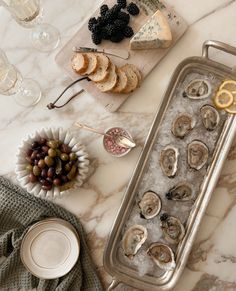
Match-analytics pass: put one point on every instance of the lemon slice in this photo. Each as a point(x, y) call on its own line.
point(232, 108)
point(223, 99)
point(229, 85)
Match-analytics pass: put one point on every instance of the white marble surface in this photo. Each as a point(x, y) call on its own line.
point(211, 265)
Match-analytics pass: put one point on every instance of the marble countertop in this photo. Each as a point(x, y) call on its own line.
point(211, 265)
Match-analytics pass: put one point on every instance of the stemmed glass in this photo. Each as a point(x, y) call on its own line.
point(28, 13)
point(27, 92)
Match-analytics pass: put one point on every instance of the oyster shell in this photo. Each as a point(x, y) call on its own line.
point(197, 89)
point(169, 161)
point(182, 125)
point(150, 205)
point(180, 192)
point(133, 239)
point(162, 255)
point(210, 117)
point(172, 228)
point(198, 154)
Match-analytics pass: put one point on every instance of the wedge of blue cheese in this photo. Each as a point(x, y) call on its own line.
point(155, 33)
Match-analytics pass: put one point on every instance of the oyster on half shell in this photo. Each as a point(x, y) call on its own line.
point(181, 192)
point(182, 125)
point(162, 255)
point(197, 89)
point(150, 205)
point(210, 117)
point(198, 154)
point(133, 239)
point(169, 161)
point(172, 228)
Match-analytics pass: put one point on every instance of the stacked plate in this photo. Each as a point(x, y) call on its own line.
point(50, 248)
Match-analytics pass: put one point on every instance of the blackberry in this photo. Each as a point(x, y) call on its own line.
point(101, 21)
point(115, 10)
point(133, 9)
point(109, 17)
point(103, 9)
point(91, 22)
point(96, 28)
point(118, 37)
point(96, 38)
point(123, 16)
point(120, 24)
point(128, 31)
point(105, 33)
point(111, 29)
point(122, 3)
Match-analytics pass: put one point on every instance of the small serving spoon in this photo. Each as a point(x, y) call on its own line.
point(120, 140)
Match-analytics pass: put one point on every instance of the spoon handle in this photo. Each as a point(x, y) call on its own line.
point(86, 127)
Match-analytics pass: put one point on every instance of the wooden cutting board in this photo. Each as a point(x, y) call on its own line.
point(145, 60)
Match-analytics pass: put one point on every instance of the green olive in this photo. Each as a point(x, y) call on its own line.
point(48, 161)
point(64, 157)
point(41, 163)
point(29, 168)
point(52, 152)
point(68, 167)
point(54, 144)
point(72, 172)
point(58, 152)
point(73, 157)
point(36, 171)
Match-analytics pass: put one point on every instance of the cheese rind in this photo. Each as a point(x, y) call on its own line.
point(155, 33)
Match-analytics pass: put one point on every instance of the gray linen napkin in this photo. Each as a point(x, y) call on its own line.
point(18, 211)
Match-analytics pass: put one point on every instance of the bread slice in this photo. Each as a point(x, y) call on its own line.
point(79, 63)
point(102, 71)
point(137, 72)
point(111, 80)
point(122, 81)
point(132, 79)
point(92, 64)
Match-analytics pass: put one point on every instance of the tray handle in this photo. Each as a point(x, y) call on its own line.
point(218, 45)
point(113, 285)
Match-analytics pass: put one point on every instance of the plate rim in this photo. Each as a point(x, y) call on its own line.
point(47, 221)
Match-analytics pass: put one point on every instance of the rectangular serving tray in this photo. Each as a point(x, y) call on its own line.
point(120, 271)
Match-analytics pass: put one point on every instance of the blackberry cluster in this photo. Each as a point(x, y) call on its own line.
point(112, 23)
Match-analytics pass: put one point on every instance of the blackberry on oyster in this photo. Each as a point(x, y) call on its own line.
point(113, 23)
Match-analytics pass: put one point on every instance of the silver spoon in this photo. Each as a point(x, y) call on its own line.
point(120, 140)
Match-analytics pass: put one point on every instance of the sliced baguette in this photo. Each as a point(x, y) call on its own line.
point(111, 80)
point(79, 63)
point(102, 71)
point(122, 81)
point(92, 64)
point(137, 72)
point(132, 79)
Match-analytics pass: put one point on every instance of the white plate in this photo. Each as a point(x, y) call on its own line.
point(50, 248)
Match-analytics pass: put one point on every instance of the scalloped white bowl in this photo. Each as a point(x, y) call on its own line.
point(65, 137)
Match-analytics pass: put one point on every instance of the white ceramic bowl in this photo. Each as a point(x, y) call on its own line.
point(50, 133)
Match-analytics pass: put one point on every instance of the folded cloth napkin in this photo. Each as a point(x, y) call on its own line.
point(18, 211)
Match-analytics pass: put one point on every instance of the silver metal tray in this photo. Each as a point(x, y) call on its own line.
point(120, 269)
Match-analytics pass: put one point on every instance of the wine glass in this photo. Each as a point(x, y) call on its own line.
point(27, 92)
point(28, 13)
